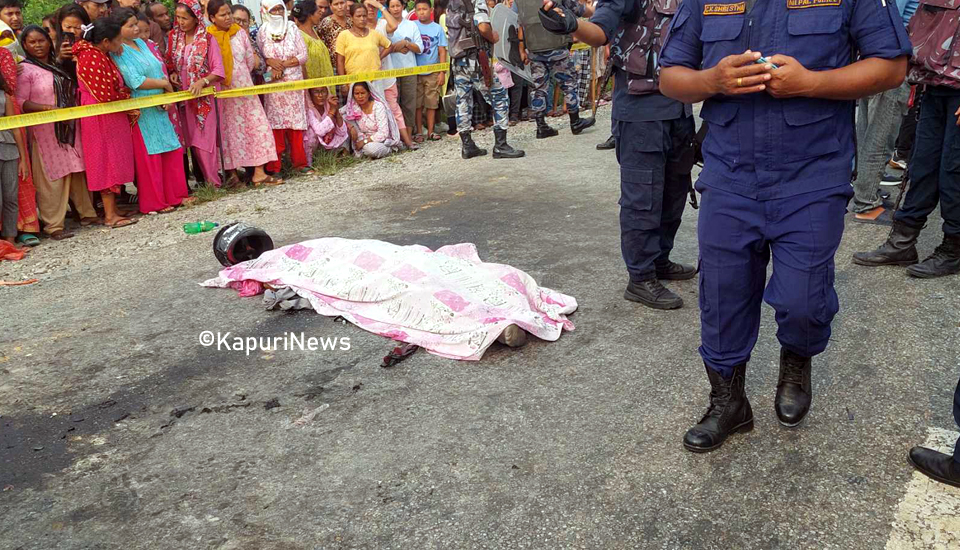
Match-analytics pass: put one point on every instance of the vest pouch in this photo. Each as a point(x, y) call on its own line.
point(935, 26)
point(669, 7)
point(810, 128)
point(815, 39)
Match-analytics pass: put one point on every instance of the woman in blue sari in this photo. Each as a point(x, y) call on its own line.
point(158, 155)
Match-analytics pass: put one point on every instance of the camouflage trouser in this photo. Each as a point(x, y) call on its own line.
point(559, 65)
point(467, 78)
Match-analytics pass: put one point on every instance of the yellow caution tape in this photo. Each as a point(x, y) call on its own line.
point(72, 113)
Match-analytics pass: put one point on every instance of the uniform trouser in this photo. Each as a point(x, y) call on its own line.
point(655, 161)
point(556, 64)
point(467, 78)
point(53, 196)
point(878, 123)
point(9, 198)
point(737, 236)
point(407, 86)
point(935, 163)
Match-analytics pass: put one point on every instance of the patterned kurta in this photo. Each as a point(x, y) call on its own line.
point(286, 110)
point(318, 58)
point(244, 129)
point(137, 65)
point(329, 31)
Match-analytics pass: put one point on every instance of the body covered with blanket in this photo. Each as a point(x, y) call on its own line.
point(447, 301)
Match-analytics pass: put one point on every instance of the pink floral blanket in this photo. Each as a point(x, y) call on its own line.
point(448, 301)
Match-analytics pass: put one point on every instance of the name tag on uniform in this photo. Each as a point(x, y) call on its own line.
point(801, 4)
point(725, 9)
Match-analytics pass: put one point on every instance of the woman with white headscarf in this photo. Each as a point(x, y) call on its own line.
point(373, 129)
point(285, 53)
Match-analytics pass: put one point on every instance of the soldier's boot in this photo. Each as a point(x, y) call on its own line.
point(729, 412)
point(578, 124)
point(470, 149)
point(900, 248)
point(543, 130)
point(945, 260)
point(794, 390)
point(502, 149)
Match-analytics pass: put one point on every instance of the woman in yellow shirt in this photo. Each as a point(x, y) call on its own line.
point(359, 48)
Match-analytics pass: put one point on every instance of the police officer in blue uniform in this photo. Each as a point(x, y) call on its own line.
point(778, 158)
point(653, 137)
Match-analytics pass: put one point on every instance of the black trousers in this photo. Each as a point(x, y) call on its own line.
point(655, 158)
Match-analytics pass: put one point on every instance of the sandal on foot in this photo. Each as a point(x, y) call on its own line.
point(167, 210)
point(435, 137)
point(28, 239)
point(122, 222)
point(188, 200)
point(84, 222)
point(269, 181)
point(306, 171)
point(417, 138)
point(59, 235)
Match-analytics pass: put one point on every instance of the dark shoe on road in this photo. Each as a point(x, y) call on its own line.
point(652, 294)
point(611, 143)
point(470, 149)
point(937, 466)
point(729, 412)
point(676, 272)
point(502, 149)
point(900, 248)
point(578, 124)
point(944, 261)
point(794, 390)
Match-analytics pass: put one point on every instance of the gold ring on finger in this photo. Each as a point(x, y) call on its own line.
point(739, 82)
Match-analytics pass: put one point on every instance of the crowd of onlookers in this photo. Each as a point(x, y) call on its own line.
point(99, 51)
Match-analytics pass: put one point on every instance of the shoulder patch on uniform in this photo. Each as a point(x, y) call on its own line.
point(725, 9)
point(801, 4)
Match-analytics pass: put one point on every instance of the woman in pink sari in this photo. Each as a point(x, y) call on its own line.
point(194, 63)
point(244, 131)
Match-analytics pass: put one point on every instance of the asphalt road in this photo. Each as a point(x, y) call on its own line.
point(159, 442)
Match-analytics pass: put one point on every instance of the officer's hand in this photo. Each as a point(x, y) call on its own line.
point(790, 79)
point(739, 74)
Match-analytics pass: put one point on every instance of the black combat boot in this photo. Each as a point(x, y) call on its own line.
point(945, 260)
point(470, 148)
point(652, 294)
point(611, 143)
point(729, 412)
point(794, 391)
point(502, 149)
point(543, 130)
point(900, 248)
point(578, 124)
point(672, 271)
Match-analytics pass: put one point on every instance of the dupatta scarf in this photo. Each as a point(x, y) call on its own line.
point(192, 57)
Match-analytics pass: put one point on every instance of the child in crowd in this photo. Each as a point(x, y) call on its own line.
point(325, 125)
point(13, 165)
point(429, 85)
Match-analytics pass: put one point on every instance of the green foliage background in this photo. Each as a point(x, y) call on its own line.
point(35, 10)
